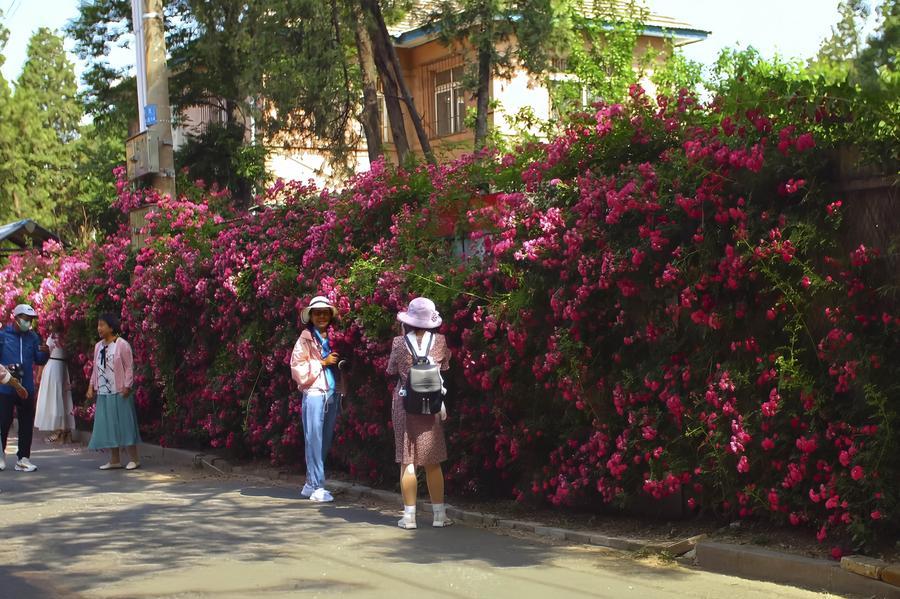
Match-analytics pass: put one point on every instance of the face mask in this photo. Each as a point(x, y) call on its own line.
point(24, 325)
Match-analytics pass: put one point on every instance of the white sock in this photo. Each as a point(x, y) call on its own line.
point(409, 511)
point(437, 509)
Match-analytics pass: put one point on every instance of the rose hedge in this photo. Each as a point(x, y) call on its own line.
point(660, 301)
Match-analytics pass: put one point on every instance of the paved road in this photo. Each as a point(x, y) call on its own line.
point(69, 530)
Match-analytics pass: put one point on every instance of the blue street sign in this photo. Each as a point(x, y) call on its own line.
point(150, 114)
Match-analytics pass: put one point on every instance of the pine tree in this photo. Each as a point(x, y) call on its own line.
point(7, 138)
point(46, 114)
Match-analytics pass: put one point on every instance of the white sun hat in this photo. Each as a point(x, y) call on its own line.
point(320, 301)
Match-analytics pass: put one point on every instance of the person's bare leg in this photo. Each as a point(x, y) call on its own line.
point(434, 476)
point(408, 489)
point(133, 453)
point(114, 457)
point(408, 484)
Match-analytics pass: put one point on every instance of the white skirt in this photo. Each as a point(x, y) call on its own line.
point(54, 401)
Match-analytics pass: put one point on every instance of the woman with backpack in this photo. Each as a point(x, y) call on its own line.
point(417, 357)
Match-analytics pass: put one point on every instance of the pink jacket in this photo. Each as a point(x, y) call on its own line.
point(306, 368)
point(123, 366)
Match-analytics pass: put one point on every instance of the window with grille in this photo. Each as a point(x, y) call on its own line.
point(449, 101)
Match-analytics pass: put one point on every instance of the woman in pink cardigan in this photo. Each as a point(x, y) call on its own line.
point(115, 417)
point(314, 369)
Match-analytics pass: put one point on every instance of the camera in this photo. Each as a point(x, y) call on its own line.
point(16, 371)
point(343, 365)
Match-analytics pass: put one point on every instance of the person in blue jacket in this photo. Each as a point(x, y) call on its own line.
point(22, 347)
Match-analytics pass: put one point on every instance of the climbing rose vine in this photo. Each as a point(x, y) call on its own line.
point(663, 300)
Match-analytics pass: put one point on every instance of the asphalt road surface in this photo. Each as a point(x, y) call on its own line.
point(70, 530)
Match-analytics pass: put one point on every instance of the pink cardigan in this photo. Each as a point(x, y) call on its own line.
point(123, 366)
point(306, 368)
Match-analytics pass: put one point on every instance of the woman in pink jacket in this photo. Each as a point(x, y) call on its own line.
point(314, 369)
point(115, 417)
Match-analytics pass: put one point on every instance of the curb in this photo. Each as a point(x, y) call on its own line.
point(170, 455)
point(735, 560)
point(773, 566)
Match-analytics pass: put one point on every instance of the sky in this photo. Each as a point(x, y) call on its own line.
point(791, 28)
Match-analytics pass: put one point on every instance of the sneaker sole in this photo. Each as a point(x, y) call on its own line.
point(412, 526)
point(25, 469)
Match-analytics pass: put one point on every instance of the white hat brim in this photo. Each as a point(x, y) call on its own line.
point(316, 305)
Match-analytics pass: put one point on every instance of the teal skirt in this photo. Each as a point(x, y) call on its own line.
point(115, 422)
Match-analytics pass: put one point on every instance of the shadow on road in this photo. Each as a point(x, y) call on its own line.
point(160, 522)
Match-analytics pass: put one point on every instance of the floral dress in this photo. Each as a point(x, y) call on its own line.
point(418, 439)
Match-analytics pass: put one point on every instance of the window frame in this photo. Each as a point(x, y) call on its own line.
point(454, 87)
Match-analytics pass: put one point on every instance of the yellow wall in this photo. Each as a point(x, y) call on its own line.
point(419, 64)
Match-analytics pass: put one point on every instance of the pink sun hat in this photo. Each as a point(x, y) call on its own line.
point(421, 314)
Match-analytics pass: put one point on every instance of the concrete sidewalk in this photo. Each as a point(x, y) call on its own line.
point(172, 530)
point(739, 560)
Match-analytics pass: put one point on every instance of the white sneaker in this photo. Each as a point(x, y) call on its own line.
point(306, 491)
point(321, 495)
point(441, 520)
point(3, 462)
point(408, 521)
point(25, 465)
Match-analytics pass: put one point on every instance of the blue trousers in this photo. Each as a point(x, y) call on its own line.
point(319, 414)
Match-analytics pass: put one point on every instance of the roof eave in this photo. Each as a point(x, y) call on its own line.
point(428, 33)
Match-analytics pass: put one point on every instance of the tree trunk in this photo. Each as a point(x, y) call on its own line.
point(483, 97)
point(392, 104)
point(391, 96)
point(369, 72)
point(385, 47)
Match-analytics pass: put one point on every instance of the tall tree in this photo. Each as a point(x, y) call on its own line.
point(392, 76)
point(838, 53)
point(498, 36)
point(370, 117)
point(879, 60)
point(292, 68)
point(7, 137)
point(46, 113)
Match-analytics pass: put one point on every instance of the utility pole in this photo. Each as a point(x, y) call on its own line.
point(150, 154)
point(157, 107)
